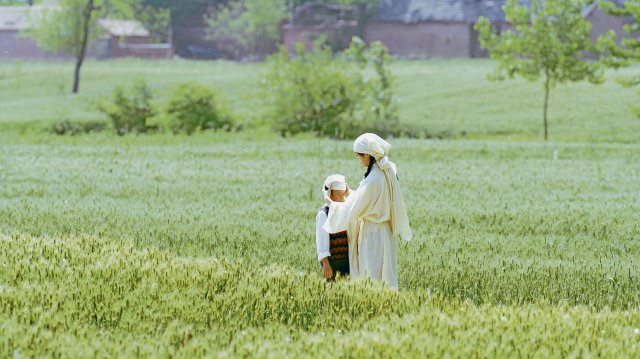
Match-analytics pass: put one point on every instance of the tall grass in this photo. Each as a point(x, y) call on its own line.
point(203, 246)
point(495, 222)
point(85, 296)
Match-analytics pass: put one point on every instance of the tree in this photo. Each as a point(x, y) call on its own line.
point(70, 26)
point(159, 15)
point(315, 91)
point(619, 52)
point(248, 26)
point(364, 9)
point(252, 26)
point(550, 40)
point(180, 9)
point(156, 20)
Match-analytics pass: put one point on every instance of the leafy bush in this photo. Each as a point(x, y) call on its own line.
point(378, 107)
point(130, 108)
point(195, 107)
point(77, 128)
point(313, 91)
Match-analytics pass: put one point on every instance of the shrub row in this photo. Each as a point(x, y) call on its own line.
point(309, 90)
point(191, 107)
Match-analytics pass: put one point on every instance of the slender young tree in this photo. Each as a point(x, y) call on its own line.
point(549, 40)
point(69, 27)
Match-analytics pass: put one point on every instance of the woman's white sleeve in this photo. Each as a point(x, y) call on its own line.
point(338, 219)
point(341, 214)
point(322, 237)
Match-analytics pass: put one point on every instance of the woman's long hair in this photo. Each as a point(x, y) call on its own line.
point(372, 161)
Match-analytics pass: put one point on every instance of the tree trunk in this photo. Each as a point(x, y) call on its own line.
point(546, 103)
point(86, 19)
point(361, 20)
point(170, 35)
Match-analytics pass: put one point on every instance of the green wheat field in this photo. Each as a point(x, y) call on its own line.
point(166, 245)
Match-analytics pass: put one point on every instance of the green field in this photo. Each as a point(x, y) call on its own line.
point(449, 99)
point(203, 246)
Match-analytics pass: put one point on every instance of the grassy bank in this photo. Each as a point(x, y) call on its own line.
point(451, 98)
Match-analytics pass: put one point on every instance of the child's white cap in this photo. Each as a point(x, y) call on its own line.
point(337, 182)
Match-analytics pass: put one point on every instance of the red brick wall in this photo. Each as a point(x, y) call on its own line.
point(121, 48)
point(293, 35)
point(190, 35)
point(13, 46)
point(434, 39)
point(306, 34)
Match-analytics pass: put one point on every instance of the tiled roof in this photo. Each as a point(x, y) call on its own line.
point(410, 11)
point(15, 18)
point(123, 27)
point(20, 17)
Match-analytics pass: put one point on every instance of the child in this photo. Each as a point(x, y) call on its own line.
point(333, 248)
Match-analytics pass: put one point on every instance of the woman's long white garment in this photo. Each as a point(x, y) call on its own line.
point(378, 253)
point(366, 216)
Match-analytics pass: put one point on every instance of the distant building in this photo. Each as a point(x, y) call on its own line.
point(14, 19)
point(128, 39)
point(602, 22)
point(190, 35)
point(336, 22)
point(427, 28)
point(190, 40)
point(432, 28)
point(120, 38)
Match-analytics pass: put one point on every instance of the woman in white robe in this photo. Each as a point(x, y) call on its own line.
point(374, 215)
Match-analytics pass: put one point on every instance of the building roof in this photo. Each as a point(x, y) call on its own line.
point(321, 13)
point(123, 27)
point(16, 18)
point(411, 11)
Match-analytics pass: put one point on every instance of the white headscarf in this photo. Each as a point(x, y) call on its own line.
point(374, 145)
point(337, 182)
